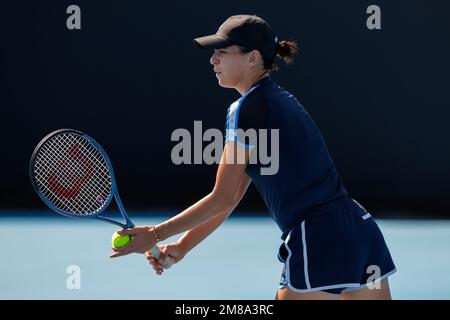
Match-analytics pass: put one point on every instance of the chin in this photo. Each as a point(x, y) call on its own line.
point(224, 84)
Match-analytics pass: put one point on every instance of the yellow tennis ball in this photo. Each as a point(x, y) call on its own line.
point(119, 241)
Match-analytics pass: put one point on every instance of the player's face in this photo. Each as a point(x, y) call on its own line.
point(229, 66)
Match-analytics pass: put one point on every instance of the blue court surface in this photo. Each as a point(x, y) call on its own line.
point(238, 261)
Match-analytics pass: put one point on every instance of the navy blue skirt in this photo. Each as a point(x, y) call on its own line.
point(337, 247)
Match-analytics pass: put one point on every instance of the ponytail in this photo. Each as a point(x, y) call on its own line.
point(286, 50)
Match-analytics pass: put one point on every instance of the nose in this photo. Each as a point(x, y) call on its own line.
point(214, 59)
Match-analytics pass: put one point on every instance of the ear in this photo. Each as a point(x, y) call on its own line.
point(254, 58)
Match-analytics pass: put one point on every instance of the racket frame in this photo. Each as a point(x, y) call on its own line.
point(114, 192)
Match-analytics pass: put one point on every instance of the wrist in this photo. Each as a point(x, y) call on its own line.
point(160, 231)
point(153, 231)
point(182, 246)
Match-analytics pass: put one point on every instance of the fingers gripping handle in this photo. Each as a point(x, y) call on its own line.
point(168, 261)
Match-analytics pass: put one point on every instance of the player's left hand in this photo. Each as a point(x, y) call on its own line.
point(142, 240)
point(174, 251)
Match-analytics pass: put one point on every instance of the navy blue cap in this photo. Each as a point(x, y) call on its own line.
point(250, 32)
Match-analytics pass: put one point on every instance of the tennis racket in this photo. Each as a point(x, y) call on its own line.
point(73, 175)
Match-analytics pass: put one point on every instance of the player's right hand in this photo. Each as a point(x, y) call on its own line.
point(172, 250)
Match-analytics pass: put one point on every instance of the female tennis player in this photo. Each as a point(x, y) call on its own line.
point(332, 248)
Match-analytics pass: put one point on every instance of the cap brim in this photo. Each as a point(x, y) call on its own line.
point(212, 42)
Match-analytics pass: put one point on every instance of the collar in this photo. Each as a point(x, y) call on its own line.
point(264, 82)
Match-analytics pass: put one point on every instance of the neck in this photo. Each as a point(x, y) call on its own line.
point(248, 83)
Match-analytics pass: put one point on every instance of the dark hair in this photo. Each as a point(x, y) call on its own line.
point(285, 50)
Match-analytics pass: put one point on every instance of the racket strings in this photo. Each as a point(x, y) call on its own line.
point(57, 188)
point(57, 162)
point(69, 168)
point(42, 175)
point(87, 163)
point(73, 186)
point(73, 175)
point(68, 188)
point(89, 190)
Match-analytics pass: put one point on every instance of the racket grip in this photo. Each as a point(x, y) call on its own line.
point(168, 262)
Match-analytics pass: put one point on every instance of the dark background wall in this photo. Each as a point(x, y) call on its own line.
point(131, 76)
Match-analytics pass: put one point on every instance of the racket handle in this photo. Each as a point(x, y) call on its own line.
point(168, 262)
